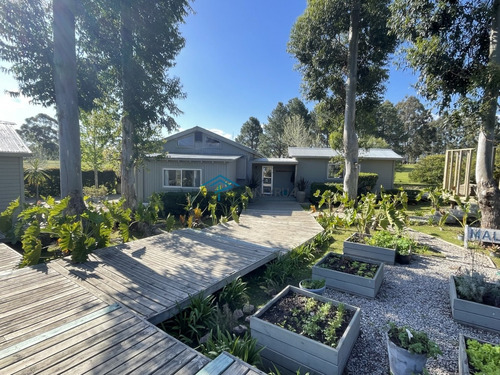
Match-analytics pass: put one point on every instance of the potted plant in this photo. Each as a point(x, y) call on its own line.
point(317, 286)
point(303, 330)
point(301, 189)
point(409, 350)
point(350, 274)
point(475, 301)
point(477, 356)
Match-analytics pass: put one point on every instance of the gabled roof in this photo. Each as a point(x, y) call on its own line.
point(327, 153)
point(11, 143)
point(213, 135)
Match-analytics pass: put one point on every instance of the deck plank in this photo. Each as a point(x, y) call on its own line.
point(9, 258)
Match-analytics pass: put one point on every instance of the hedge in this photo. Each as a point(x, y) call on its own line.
point(52, 186)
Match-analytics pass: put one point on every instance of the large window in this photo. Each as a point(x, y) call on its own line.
point(334, 171)
point(187, 141)
point(182, 178)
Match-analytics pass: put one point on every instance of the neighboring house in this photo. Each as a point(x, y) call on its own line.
point(314, 164)
point(193, 158)
point(197, 157)
point(12, 151)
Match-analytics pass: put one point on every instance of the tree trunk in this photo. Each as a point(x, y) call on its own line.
point(67, 104)
point(488, 192)
point(128, 131)
point(350, 137)
point(96, 177)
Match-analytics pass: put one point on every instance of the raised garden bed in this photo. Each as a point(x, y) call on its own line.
point(473, 313)
point(274, 324)
point(355, 246)
point(350, 274)
point(464, 364)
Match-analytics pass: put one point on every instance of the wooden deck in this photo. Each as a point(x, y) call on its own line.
point(9, 258)
point(156, 276)
point(281, 225)
point(50, 325)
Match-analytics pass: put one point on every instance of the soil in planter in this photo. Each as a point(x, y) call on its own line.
point(351, 266)
point(320, 321)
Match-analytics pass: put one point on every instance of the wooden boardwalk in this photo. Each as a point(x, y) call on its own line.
point(157, 275)
point(50, 325)
point(9, 258)
point(281, 225)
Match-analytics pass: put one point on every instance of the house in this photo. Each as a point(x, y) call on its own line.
point(192, 158)
point(12, 151)
point(315, 164)
point(198, 157)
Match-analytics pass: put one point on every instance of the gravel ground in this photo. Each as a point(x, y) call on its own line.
point(416, 295)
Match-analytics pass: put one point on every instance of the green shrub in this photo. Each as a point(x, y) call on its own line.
point(484, 357)
point(366, 182)
point(429, 170)
point(234, 294)
point(322, 187)
point(244, 347)
point(413, 341)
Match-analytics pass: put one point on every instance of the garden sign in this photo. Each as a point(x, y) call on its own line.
point(481, 235)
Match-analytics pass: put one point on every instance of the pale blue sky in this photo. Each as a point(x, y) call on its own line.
point(234, 66)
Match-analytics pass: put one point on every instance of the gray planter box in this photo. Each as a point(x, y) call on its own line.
point(290, 351)
point(463, 360)
point(345, 282)
point(375, 253)
point(473, 313)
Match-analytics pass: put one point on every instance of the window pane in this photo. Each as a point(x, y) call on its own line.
point(190, 178)
point(174, 178)
point(186, 141)
point(210, 142)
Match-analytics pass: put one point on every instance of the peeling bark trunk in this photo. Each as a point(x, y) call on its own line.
point(350, 137)
point(67, 104)
point(487, 188)
point(128, 131)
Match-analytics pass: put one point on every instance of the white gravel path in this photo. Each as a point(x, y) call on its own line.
point(416, 295)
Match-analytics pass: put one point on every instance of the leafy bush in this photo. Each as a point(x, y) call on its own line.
point(484, 357)
point(322, 187)
point(473, 286)
point(429, 170)
point(366, 182)
point(234, 294)
point(402, 244)
point(244, 347)
point(413, 341)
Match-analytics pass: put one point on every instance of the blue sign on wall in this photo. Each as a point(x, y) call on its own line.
point(221, 185)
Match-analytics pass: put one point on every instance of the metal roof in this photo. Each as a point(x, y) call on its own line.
point(10, 142)
point(325, 152)
point(195, 157)
point(283, 161)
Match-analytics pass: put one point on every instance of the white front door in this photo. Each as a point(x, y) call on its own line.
point(267, 180)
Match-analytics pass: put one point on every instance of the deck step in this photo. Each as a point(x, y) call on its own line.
point(217, 366)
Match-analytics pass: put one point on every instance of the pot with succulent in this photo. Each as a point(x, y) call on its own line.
point(475, 301)
point(303, 330)
point(302, 184)
point(350, 274)
point(409, 350)
point(314, 286)
point(477, 356)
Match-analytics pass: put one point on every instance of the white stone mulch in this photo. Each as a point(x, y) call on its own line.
point(416, 295)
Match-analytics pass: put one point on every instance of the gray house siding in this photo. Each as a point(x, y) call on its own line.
point(150, 176)
point(316, 170)
point(12, 181)
point(200, 146)
point(384, 169)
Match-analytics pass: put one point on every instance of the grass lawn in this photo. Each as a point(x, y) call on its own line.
point(402, 175)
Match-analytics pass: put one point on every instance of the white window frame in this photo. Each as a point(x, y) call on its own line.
point(181, 169)
point(328, 172)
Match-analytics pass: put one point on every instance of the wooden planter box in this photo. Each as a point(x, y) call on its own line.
point(375, 253)
point(463, 360)
point(473, 313)
point(290, 351)
point(346, 282)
